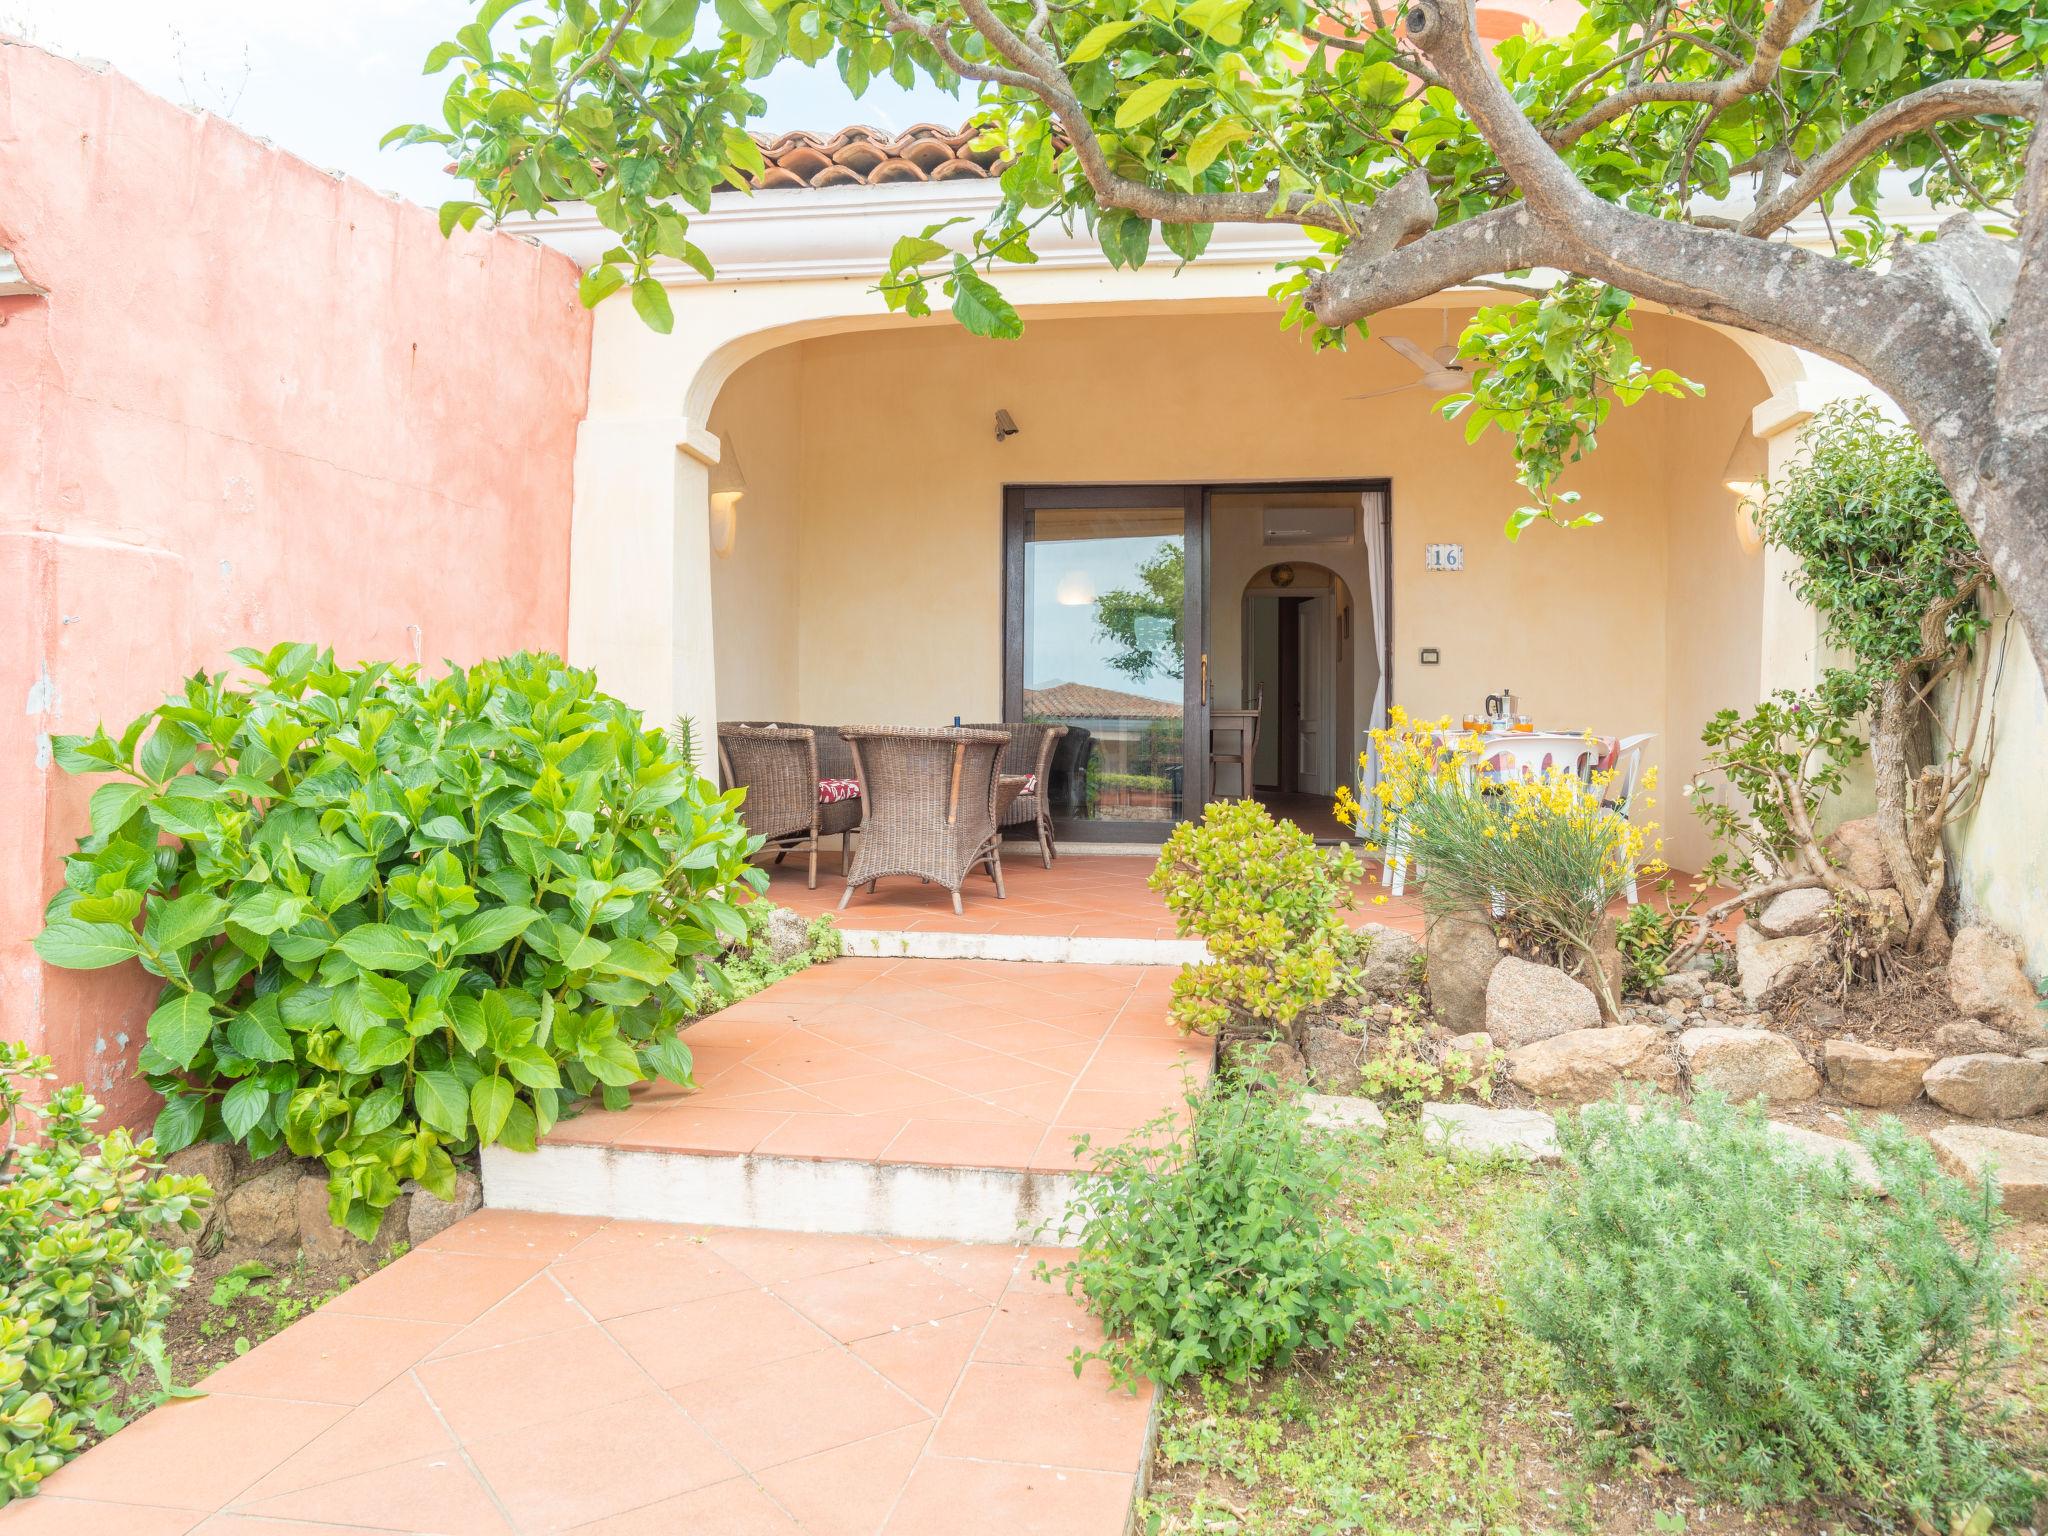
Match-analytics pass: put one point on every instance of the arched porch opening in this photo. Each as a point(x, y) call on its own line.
point(865, 580)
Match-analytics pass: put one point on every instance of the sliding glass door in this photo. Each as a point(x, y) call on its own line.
point(1103, 634)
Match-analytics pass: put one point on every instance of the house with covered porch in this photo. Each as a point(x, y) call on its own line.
point(798, 506)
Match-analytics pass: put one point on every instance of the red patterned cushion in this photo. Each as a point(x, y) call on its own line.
point(832, 791)
point(1030, 786)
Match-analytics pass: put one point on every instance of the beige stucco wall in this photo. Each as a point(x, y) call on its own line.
point(1715, 578)
point(2001, 850)
point(886, 565)
point(754, 589)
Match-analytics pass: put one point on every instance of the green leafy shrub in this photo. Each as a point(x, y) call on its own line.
point(1405, 1068)
point(1768, 1326)
point(1216, 1244)
point(86, 1277)
point(1646, 937)
point(1269, 904)
point(1769, 771)
point(397, 918)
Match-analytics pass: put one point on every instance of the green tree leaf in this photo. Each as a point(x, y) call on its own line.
point(1143, 103)
point(668, 1057)
point(259, 1034)
point(650, 303)
point(1099, 37)
point(113, 804)
point(377, 1110)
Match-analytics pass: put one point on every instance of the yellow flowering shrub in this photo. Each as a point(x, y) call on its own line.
point(1542, 851)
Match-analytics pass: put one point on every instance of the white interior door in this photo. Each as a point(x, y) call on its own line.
point(1318, 693)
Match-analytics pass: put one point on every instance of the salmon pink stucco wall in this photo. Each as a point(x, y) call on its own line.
point(252, 401)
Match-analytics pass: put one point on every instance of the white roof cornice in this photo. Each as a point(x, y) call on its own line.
point(813, 232)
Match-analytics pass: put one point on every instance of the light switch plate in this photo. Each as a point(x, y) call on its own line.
point(1431, 656)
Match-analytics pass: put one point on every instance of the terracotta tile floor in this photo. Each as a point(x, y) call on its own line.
point(524, 1373)
point(1096, 896)
point(1100, 896)
point(966, 1063)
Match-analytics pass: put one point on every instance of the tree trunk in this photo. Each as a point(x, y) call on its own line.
point(1898, 749)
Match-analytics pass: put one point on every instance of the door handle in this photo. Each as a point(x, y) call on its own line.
point(1205, 677)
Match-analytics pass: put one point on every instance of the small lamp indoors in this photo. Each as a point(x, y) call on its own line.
point(1075, 590)
point(728, 485)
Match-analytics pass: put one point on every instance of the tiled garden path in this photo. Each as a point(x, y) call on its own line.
point(938, 1062)
point(532, 1373)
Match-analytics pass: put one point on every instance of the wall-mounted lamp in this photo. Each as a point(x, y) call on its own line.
point(728, 485)
point(1746, 475)
point(1749, 465)
point(1006, 425)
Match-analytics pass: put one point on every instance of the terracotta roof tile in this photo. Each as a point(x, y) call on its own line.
point(1085, 701)
point(859, 156)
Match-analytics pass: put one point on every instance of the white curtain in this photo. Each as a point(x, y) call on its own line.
point(1373, 528)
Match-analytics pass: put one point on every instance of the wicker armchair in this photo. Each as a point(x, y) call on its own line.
point(928, 805)
point(1030, 752)
point(779, 766)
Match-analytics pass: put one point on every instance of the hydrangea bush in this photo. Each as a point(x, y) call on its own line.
point(86, 1277)
point(396, 917)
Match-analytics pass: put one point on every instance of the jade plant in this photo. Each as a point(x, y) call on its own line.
point(397, 918)
point(1269, 905)
point(88, 1268)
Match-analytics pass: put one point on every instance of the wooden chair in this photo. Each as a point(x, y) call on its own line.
point(1244, 725)
point(1030, 752)
point(778, 766)
point(928, 805)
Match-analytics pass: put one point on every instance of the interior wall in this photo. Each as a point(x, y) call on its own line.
point(1238, 555)
point(1644, 623)
point(254, 402)
point(755, 614)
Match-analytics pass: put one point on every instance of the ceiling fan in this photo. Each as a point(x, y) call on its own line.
point(1441, 370)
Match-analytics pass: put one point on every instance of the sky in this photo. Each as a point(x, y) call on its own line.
point(325, 78)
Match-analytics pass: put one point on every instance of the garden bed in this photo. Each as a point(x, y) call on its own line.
point(233, 1304)
point(1448, 1421)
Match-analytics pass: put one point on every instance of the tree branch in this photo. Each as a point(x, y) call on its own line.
point(1365, 281)
point(1883, 326)
point(935, 33)
point(1788, 25)
point(1909, 114)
